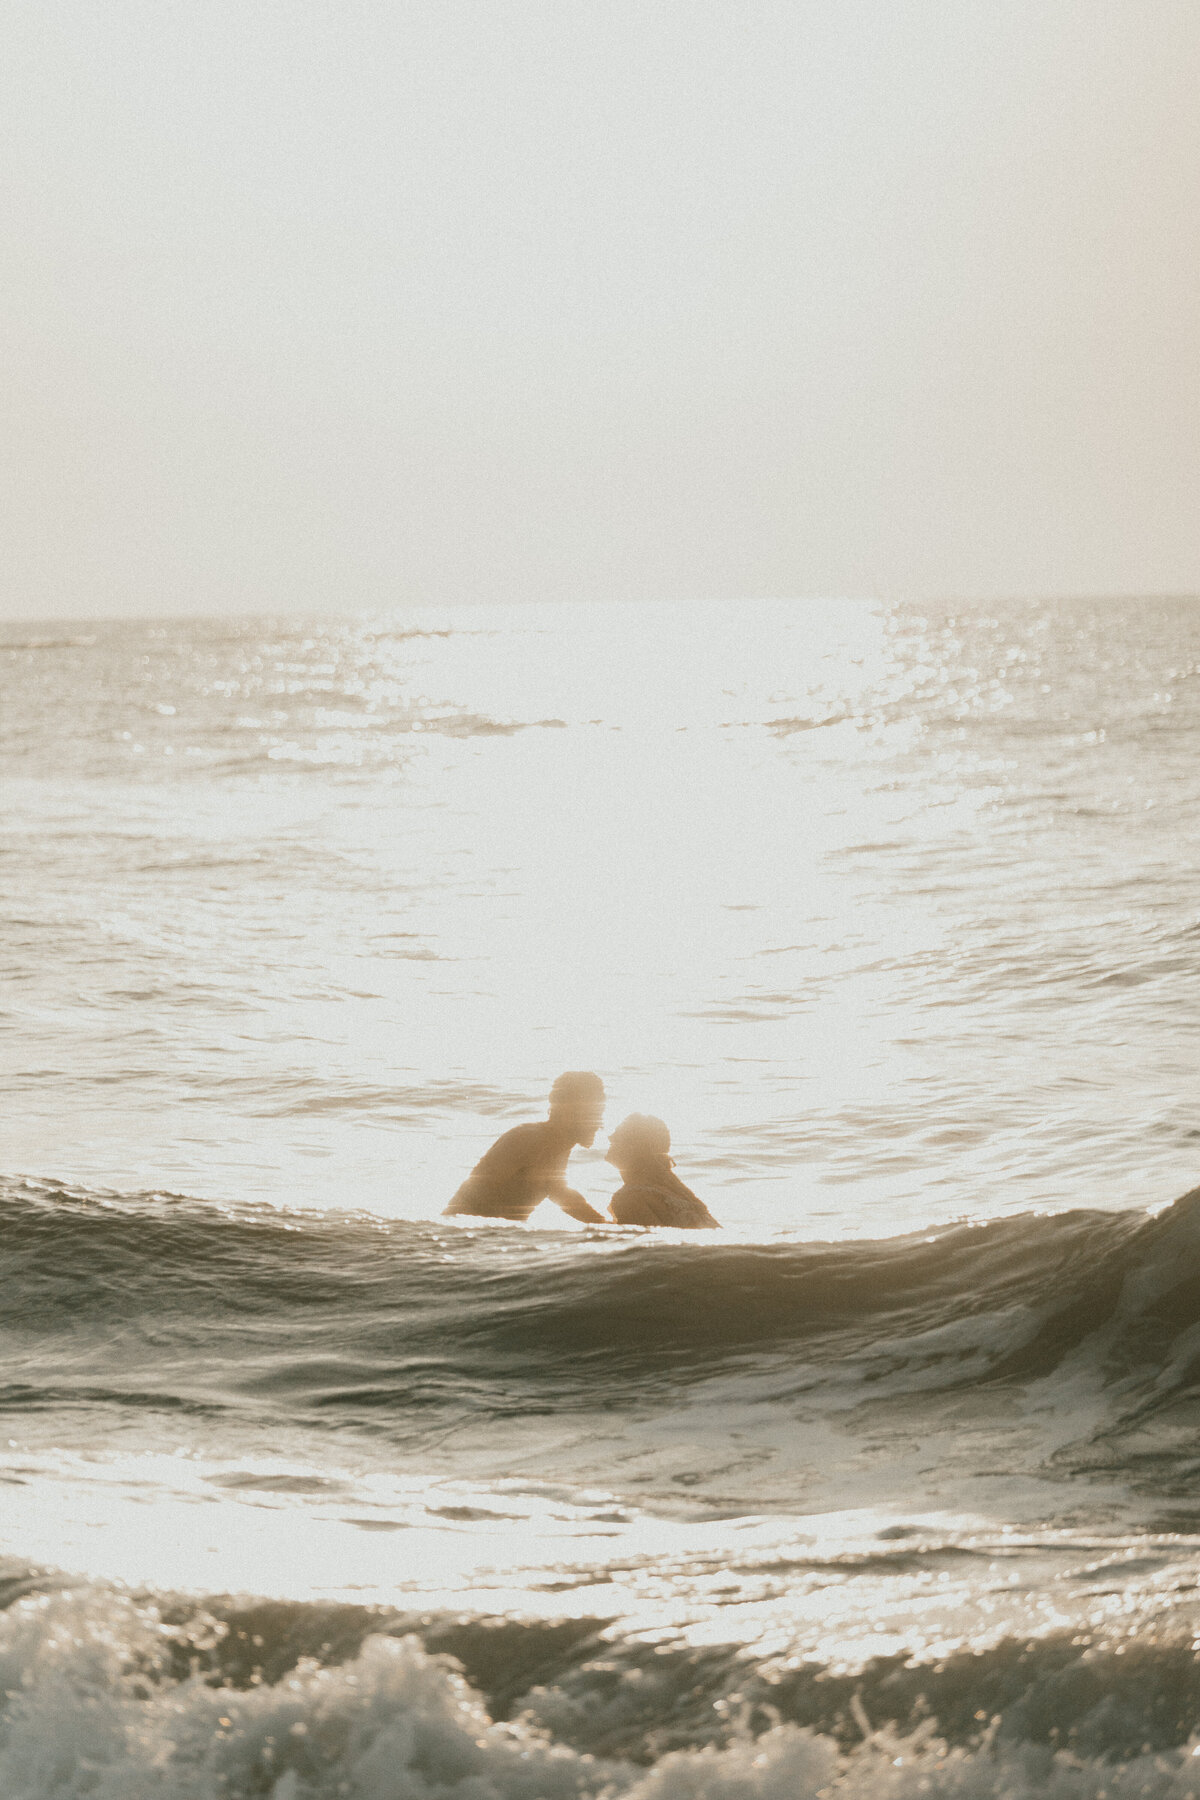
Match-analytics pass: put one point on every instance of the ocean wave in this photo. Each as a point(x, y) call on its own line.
point(608, 1695)
point(606, 1292)
point(119, 1696)
point(355, 1319)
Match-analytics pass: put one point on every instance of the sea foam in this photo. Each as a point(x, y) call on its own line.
point(90, 1708)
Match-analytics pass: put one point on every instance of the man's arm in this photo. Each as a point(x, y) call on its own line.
point(574, 1204)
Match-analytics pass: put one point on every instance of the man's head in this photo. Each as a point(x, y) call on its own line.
point(577, 1102)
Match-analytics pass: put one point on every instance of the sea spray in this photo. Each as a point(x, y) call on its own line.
point(90, 1708)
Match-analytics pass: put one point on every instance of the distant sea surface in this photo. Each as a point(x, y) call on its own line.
point(890, 1487)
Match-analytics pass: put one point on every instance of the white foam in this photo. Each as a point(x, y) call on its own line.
point(88, 1710)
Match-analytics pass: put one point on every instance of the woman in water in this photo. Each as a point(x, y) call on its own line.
point(652, 1193)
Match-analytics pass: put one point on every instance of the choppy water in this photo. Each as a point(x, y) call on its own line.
point(891, 915)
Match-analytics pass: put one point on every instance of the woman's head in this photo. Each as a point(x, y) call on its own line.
point(638, 1140)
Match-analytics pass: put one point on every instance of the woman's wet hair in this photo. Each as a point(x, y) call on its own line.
point(641, 1134)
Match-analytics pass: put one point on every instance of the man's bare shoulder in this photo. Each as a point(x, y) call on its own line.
point(511, 1144)
point(510, 1178)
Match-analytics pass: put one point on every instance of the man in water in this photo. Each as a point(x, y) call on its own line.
point(529, 1163)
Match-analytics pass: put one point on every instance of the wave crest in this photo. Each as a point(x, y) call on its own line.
point(92, 1700)
point(357, 1320)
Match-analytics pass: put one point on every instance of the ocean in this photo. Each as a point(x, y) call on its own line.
point(890, 1487)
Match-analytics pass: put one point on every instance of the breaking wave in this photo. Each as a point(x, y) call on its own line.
point(131, 1698)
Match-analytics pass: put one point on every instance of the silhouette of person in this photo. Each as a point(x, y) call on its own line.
point(529, 1163)
point(652, 1193)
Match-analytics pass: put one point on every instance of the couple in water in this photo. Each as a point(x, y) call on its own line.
point(529, 1164)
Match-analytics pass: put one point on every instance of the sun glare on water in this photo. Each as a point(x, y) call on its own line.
point(820, 885)
point(652, 878)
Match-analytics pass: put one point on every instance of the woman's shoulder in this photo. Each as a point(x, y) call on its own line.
point(642, 1203)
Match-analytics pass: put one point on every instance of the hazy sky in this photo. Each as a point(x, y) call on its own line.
point(328, 303)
